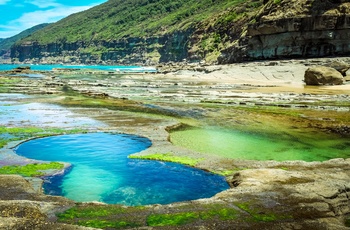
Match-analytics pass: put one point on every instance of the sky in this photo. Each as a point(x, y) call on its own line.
point(19, 15)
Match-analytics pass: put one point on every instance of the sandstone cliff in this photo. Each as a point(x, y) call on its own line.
point(294, 29)
point(170, 47)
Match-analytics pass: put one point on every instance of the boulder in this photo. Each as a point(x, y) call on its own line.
point(342, 67)
point(20, 69)
point(322, 75)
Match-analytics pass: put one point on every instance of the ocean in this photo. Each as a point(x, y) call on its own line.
point(137, 69)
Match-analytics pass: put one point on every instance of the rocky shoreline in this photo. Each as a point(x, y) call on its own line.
point(263, 194)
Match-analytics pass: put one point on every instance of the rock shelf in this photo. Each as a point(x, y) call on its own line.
point(263, 194)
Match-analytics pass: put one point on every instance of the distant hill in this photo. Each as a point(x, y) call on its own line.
point(5, 44)
point(224, 31)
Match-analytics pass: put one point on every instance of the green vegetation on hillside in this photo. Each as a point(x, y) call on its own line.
point(118, 19)
point(134, 31)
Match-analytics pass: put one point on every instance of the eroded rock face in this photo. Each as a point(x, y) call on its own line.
point(306, 191)
point(294, 29)
point(321, 75)
point(170, 47)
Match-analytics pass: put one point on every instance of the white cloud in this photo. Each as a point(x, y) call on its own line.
point(43, 3)
point(45, 16)
point(28, 20)
point(4, 2)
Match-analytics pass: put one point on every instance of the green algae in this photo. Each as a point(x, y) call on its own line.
point(96, 211)
point(347, 222)
point(116, 224)
point(8, 134)
point(116, 216)
point(30, 170)
point(172, 219)
point(6, 83)
point(102, 216)
point(229, 172)
point(260, 215)
point(169, 157)
point(182, 218)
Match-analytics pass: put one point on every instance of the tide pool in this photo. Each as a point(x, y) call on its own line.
point(102, 172)
point(257, 146)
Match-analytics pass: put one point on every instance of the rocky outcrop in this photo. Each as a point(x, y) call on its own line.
point(294, 29)
point(168, 48)
point(321, 75)
point(306, 191)
point(342, 67)
point(22, 207)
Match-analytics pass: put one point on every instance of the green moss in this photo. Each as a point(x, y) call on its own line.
point(8, 134)
point(177, 219)
point(5, 80)
point(347, 222)
point(116, 216)
point(259, 215)
point(107, 224)
point(171, 219)
point(101, 216)
point(229, 172)
point(91, 212)
point(30, 170)
point(169, 157)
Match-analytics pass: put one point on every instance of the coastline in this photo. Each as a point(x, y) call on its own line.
point(244, 87)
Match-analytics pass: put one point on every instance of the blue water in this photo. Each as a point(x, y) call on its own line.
point(96, 67)
point(102, 172)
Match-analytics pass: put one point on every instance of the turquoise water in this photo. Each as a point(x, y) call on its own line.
point(102, 172)
point(257, 146)
point(97, 67)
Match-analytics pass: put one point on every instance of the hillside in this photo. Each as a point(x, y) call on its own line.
point(5, 44)
point(155, 31)
point(138, 31)
point(117, 19)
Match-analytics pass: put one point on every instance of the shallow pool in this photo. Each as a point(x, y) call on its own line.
point(262, 146)
point(102, 172)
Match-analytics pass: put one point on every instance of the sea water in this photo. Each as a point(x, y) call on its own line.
point(95, 67)
point(102, 172)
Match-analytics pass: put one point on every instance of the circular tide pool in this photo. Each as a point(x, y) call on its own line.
point(102, 172)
